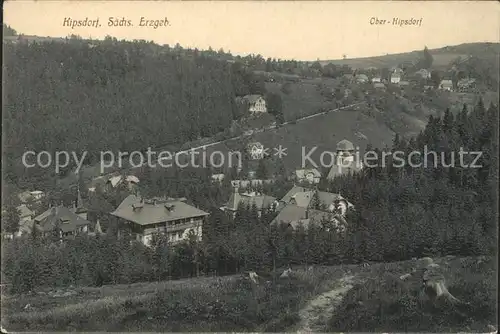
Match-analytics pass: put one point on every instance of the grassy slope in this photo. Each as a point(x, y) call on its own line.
point(384, 303)
point(442, 56)
point(323, 132)
point(230, 304)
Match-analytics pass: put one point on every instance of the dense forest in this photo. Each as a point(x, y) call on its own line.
point(78, 96)
point(399, 213)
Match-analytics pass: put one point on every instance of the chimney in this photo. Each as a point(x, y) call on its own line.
point(307, 213)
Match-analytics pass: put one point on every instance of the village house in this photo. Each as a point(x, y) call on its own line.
point(395, 78)
point(255, 150)
point(379, 85)
point(31, 196)
point(110, 182)
point(261, 201)
point(446, 85)
point(256, 103)
point(311, 175)
point(361, 78)
point(303, 206)
point(344, 160)
point(376, 79)
point(347, 93)
point(423, 73)
point(143, 218)
point(61, 222)
point(466, 85)
point(404, 83)
point(218, 177)
point(243, 184)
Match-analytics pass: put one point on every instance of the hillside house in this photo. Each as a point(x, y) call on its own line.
point(143, 218)
point(255, 150)
point(261, 201)
point(404, 83)
point(344, 160)
point(61, 222)
point(218, 177)
point(361, 78)
point(347, 93)
point(379, 85)
point(305, 206)
point(466, 85)
point(395, 78)
point(423, 73)
point(256, 103)
point(243, 184)
point(110, 182)
point(446, 85)
point(376, 79)
point(31, 196)
point(311, 175)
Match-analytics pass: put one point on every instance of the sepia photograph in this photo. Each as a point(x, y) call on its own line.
point(250, 166)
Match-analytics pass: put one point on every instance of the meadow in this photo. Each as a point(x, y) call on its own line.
point(379, 301)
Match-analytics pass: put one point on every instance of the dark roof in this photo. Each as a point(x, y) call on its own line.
point(261, 201)
point(61, 217)
point(144, 213)
point(295, 215)
point(301, 197)
point(251, 98)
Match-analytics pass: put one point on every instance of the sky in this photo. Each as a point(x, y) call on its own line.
point(301, 30)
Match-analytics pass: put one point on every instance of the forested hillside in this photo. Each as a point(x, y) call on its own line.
point(399, 213)
point(112, 95)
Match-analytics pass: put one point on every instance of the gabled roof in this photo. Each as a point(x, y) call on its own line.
point(261, 201)
point(290, 213)
point(302, 199)
point(252, 98)
point(61, 217)
point(144, 213)
point(294, 215)
point(302, 173)
point(295, 189)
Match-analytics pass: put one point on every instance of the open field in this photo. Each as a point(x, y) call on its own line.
point(323, 132)
point(442, 56)
point(234, 304)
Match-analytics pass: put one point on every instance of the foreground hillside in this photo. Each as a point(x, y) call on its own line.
point(374, 300)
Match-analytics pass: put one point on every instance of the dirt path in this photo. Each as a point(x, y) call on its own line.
point(315, 315)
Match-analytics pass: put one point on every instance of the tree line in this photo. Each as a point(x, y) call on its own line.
point(79, 96)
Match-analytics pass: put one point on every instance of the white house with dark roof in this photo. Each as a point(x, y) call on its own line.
point(143, 218)
point(256, 103)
